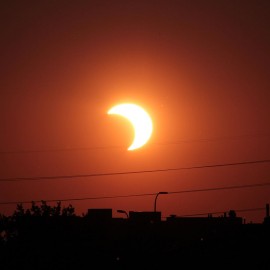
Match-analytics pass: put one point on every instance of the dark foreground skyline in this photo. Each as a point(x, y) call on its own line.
point(56, 238)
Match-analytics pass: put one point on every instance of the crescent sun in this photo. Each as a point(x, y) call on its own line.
point(140, 120)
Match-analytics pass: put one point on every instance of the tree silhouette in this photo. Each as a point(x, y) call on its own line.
point(68, 211)
point(44, 210)
point(19, 211)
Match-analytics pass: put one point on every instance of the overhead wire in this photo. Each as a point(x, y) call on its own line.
point(54, 177)
point(222, 212)
point(143, 194)
point(72, 149)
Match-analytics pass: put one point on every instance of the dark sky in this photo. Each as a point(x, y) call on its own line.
point(200, 68)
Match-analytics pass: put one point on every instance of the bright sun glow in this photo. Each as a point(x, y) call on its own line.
point(140, 120)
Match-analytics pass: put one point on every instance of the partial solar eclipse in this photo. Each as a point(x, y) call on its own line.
point(140, 120)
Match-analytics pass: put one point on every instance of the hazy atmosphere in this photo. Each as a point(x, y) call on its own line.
point(199, 68)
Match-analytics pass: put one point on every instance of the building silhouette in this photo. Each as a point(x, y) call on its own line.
point(141, 241)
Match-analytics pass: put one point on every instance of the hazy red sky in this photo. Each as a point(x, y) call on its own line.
point(200, 68)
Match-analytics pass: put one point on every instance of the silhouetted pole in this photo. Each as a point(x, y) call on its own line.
point(155, 204)
point(267, 210)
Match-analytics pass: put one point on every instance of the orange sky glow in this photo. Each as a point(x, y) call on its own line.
point(199, 68)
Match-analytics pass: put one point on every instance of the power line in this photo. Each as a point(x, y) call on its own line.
point(82, 199)
point(60, 150)
point(222, 138)
point(223, 188)
point(72, 149)
point(145, 194)
point(222, 212)
point(17, 179)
